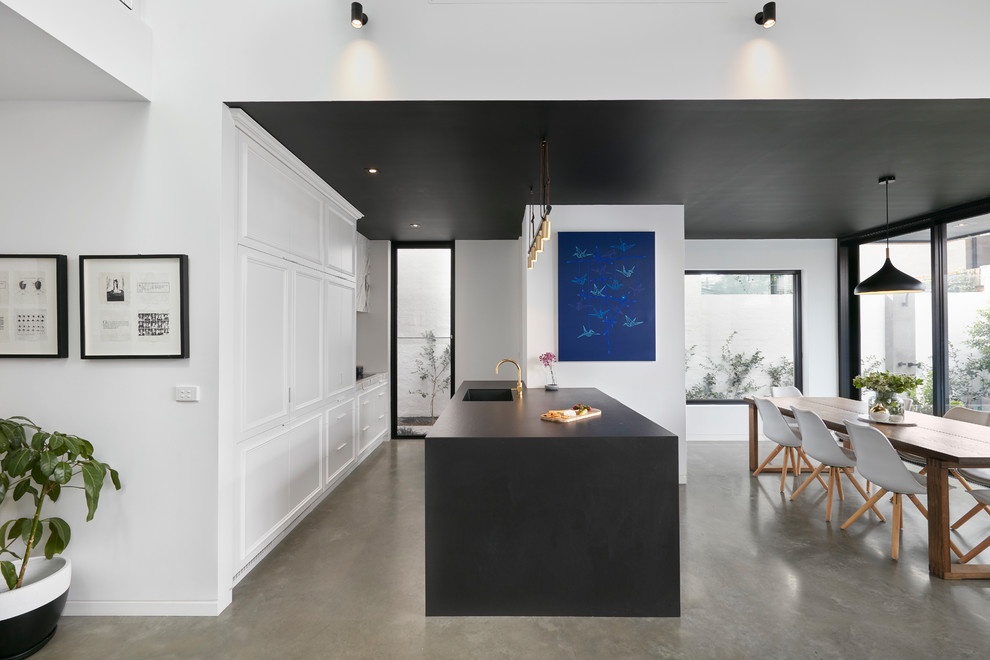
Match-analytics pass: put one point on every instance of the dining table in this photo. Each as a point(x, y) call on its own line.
point(942, 443)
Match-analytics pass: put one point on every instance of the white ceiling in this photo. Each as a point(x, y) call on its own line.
point(34, 66)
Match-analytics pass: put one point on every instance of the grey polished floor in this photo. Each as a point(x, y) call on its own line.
point(762, 577)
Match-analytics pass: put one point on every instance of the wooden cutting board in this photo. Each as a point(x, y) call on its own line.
point(594, 412)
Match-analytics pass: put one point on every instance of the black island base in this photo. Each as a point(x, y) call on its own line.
point(532, 518)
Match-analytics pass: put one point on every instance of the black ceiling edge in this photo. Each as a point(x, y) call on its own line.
point(923, 221)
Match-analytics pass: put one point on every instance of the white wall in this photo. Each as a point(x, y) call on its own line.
point(816, 259)
point(374, 327)
point(653, 389)
point(126, 178)
point(487, 309)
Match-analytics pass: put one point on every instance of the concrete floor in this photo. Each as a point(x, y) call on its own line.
point(762, 577)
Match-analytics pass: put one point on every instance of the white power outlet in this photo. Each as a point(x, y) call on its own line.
point(186, 393)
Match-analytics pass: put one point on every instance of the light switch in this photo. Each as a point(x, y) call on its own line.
point(186, 393)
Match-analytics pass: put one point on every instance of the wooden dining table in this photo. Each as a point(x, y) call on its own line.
point(943, 443)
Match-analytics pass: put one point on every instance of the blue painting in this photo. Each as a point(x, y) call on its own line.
point(606, 296)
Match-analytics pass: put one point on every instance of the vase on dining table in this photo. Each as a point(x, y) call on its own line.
point(886, 405)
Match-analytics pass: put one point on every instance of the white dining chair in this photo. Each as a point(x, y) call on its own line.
point(788, 440)
point(821, 444)
point(777, 391)
point(878, 462)
point(969, 476)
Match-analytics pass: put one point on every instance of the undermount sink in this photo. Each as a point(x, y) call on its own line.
point(488, 395)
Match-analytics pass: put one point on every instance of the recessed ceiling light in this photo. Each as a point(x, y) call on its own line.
point(371, 170)
point(414, 225)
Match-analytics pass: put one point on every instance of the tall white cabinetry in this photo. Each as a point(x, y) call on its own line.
point(297, 419)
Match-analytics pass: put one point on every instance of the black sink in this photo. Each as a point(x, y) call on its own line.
point(488, 395)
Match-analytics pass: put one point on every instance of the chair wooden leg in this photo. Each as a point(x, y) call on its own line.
point(807, 481)
point(865, 494)
point(796, 462)
point(868, 485)
point(921, 507)
point(838, 483)
point(828, 496)
point(783, 470)
point(975, 551)
point(863, 509)
point(969, 514)
point(896, 534)
point(768, 459)
point(958, 476)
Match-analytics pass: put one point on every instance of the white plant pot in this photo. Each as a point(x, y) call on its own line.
point(29, 615)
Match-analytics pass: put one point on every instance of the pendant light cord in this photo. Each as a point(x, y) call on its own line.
point(886, 197)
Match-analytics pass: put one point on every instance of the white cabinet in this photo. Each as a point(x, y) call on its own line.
point(341, 342)
point(372, 417)
point(307, 338)
point(340, 243)
point(264, 327)
point(297, 428)
point(279, 210)
point(340, 439)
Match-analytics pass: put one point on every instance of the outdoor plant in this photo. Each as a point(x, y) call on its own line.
point(42, 465)
point(548, 360)
point(432, 370)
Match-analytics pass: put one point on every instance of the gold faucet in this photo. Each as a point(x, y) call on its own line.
point(519, 387)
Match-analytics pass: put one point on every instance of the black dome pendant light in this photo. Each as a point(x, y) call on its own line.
point(888, 279)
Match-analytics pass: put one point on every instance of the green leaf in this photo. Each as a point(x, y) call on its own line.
point(62, 472)
point(46, 463)
point(58, 537)
point(4, 441)
point(38, 440)
point(9, 574)
point(13, 432)
point(54, 492)
point(4, 484)
point(92, 481)
point(22, 488)
point(57, 443)
point(20, 461)
point(3, 530)
point(26, 530)
point(71, 444)
point(17, 528)
point(114, 477)
point(86, 448)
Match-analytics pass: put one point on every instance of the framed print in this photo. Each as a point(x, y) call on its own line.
point(134, 306)
point(606, 296)
point(34, 320)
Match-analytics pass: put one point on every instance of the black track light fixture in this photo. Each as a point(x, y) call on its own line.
point(358, 18)
point(888, 279)
point(768, 17)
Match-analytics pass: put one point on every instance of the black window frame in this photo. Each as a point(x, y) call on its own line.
point(798, 329)
point(849, 276)
point(394, 324)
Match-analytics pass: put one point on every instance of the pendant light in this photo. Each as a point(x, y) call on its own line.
point(888, 279)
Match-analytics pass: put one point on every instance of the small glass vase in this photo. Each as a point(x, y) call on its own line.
point(551, 385)
point(885, 406)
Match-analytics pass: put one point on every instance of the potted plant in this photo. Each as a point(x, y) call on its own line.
point(41, 465)
point(548, 360)
point(885, 404)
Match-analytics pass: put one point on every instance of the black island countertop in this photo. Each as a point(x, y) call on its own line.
point(527, 518)
point(520, 418)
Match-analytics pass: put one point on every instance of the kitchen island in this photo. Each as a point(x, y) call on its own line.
point(526, 517)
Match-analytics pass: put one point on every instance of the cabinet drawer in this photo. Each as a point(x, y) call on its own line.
point(340, 438)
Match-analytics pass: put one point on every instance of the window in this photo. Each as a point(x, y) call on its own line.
point(896, 329)
point(742, 333)
point(941, 335)
point(422, 348)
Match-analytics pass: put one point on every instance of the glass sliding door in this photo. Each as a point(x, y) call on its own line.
point(967, 273)
point(896, 329)
point(422, 338)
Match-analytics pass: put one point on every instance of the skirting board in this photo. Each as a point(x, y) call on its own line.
point(143, 608)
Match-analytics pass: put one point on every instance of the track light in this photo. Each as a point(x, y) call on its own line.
point(359, 18)
point(768, 17)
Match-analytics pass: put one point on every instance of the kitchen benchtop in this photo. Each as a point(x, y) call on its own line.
point(520, 418)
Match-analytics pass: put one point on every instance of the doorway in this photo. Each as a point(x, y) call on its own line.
point(422, 335)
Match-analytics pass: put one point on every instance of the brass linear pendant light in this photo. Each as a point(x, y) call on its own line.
point(541, 233)
point(888, 279)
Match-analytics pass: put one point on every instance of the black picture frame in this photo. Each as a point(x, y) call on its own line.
point(134, 306)
point(16, 342)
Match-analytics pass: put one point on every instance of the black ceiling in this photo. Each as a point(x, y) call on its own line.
point(742, 169)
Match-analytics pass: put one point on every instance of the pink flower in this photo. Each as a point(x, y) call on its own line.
point(548, 359)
